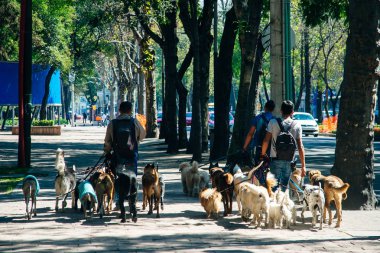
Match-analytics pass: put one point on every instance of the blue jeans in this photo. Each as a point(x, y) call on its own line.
point(282, 170)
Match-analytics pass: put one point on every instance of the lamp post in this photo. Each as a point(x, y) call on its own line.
point(72, 80)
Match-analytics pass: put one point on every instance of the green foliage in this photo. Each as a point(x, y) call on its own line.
point(61, 121)
point(317, 12)
point(43, 123)
point(9, 27)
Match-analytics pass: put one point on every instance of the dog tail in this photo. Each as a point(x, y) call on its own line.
point(194, 167)
point(250, 173)
point(229, 178)
point(342, 189)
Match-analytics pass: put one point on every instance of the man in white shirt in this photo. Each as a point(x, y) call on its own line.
point(281, 168)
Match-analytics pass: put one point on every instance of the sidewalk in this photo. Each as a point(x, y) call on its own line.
point(182, 227)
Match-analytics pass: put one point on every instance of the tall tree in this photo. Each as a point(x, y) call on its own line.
point(354, 160)
point(222, 87)
point(248, 15)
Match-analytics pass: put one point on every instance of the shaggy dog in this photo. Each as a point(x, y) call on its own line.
point(211, 200)
point(255, 200)
point(295, 179)
point(313, 199)
point(287, 216)
point(151, 188)
point(126, 185)
point(103, 184)
point(335, 190)
point(270, 180)
point(87, 197)
point(275, 215)
point(223, 181)
point(30, 188)
point(193, 179)
point(64, 181)
point(284, 199)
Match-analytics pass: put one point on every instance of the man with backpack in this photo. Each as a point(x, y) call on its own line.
point(283, 137)
point(123, 137)
point(258, 130)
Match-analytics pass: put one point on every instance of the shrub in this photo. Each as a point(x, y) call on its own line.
point(43, 123)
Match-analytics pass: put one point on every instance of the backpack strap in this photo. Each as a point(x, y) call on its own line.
point(264, 118)
point(279, 121)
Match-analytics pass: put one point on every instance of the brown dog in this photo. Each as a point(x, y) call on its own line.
point(297, 179)
point(105, 187)
point(335, 190)
point(151, 188)
point(223, 182)
point(211, 200)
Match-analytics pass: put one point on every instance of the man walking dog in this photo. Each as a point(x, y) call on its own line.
point(285, 136)
point(123, 137)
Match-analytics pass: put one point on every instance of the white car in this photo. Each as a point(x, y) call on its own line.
point(308, 123)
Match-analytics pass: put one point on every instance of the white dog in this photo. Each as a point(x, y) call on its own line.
point(314, 198)
point(65, 181)
point(275, 215)
point(193, 179)
point(255, 200)
point(283, 198)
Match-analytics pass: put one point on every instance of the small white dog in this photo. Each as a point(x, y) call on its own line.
point(275, 215)
point(255, 200)
point(283, 198)
point(314, 198)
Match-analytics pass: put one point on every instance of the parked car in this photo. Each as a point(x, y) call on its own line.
point(159, 118)
point(308, 123)
point(211, 121)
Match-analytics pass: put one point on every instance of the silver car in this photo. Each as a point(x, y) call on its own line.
point(308, 123)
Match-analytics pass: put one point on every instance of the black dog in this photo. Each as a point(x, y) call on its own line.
point(126, 186)
point(223, 181)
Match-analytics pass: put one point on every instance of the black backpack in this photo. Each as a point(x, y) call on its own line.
point(285, 143)
point(124, 139)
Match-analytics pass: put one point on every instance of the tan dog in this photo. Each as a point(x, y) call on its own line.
point(211, 200)
point(104, 188)
point(297, 179)
point(335, 190)
point(151, 188)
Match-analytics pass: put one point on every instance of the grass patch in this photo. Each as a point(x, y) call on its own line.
point(7, 184)
point(10, 177)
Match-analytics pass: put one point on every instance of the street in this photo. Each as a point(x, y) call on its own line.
point(182, 227)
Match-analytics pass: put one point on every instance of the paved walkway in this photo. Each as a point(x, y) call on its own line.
point(182, 226)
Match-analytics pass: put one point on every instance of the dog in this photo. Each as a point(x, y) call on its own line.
point(223, 182)
point(255, 200)
point(211, 200)
point(161, 182)
point(313, 199)
point(284, 199)
point(287, 216)
point(193, 179)
point(30, 189)
point(151, 188)
point(270, 179)
point(275, 215)
point(126, 185)
point(103, 183)
point(295, 179)
point(87, 197)
point(64, 181)
point(335, 190)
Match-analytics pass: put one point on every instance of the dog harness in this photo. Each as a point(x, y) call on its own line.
point(35, 179)
point(84, 188)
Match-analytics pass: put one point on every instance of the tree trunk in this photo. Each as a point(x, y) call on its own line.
point(112, 101)
point(195, 146)
point(222, 87)
point(182, 100)
point(171, 59)
point(141, 97)
point(302, 77)
point(319, 105)
point(205, 40)
point(354, 159)
point(254, 89)
point(151, 109)
point(63, 99)
point(378, 101)
point(250, 14)
point(307, 72)
point(50, 73)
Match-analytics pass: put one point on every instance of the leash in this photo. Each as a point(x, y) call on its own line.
point(96, 165)
point(296, 185)
point(209, 162)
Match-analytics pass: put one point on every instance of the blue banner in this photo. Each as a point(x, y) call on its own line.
point(9, 84)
